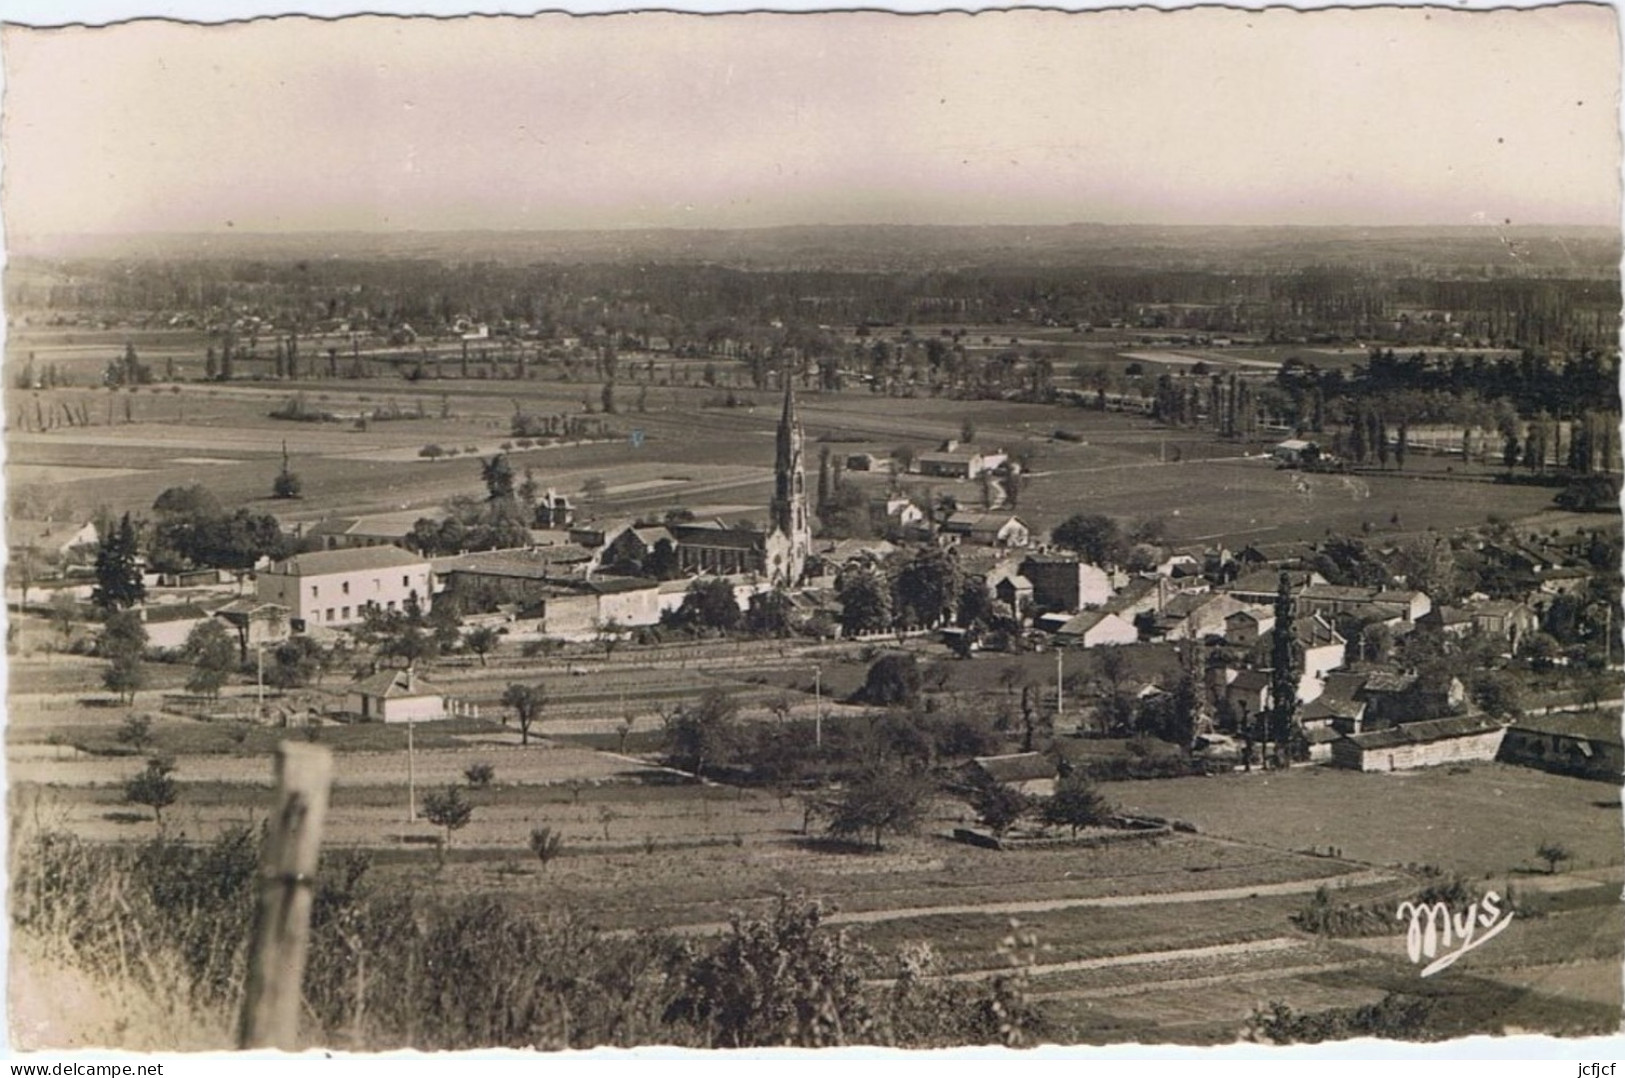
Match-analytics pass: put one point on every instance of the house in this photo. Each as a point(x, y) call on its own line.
point(1420, 744)
point(254, 623)
point(169, 625)
point(987, 529)
point(1011, 588)
point(1295, 452)
point(401, 696)
point(1195, 615)
point(379, 529)
point(59, 541)
point(1261, 586)
point(1338, 707)
point(896, 513)
point(1067, 584)
point(1098, 628)
point(1393, 606)
point(1449, 621)
point(625, 550)
point(335, 587)
point(958, 463)
point(555, 510)
point(522, 577)
point(1504, 620)
point(1323, 649)
point(1246, 691)
point(1246, 627)
point(1585, 745)
point(866, 462)
point(1031, 773)
point(1141, 595)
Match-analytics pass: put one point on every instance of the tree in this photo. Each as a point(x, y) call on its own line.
point(927, 587)
point(154, 787)
point(213, 655)
point(286, 484)
point(295, 663)
point(1093, 535)
point(879, 802)
point(770, 613)
point(546, 843)
point(999, 806)
point(865, 599)
point(118, 575)
point(482, 641)
point(498, 476)
point(1076, 803)
point(123, 642)
point(1286, 664)
point(449, 809)
point(136, 731)
point(1554, 854)
point(527, 702)
point(709, 603)
point(893, 680)
point(702, 732)
point(480, 775)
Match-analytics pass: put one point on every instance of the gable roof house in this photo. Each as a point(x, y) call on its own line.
point(1066, 584)
point(335, 587)
point(1097, 628)
point(1420, 744)
point(1029, 772)
point(988, 529)
point(401, 696)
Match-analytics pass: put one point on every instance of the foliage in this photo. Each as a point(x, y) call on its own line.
point(999, 806)
point(1076, 803)
point(449, 809)
point(118, 576)
point(287, 484)
point(709, 603)
point(893, 680)
point(927, 587)
point(527, 702)
point(778, 982)
point(881, 802)
point(703, 732)
point(865, 598)
point(191, 529)
point(547, 844)
point(1554, 854)
point(295, 663)
point(482, 641)
point(480, 775)
point(213, 655)
point(153, 787)
point(136, 731)
point(1094, 536)
point(1395, 1017)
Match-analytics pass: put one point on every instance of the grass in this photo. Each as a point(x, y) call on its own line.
point(1486, 821)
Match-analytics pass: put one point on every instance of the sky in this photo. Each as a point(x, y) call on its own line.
point(1211, 116)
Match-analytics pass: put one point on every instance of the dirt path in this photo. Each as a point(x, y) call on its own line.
point(1144, 958)
point(1165, 898)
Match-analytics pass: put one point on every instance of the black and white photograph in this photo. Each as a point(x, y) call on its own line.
point(1021, 529)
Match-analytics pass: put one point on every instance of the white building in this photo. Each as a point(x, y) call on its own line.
point(401, 696)
point(335, 587)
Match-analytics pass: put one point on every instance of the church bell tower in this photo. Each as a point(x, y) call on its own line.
point(789, 507)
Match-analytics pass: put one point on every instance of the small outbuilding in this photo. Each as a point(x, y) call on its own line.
point(1420, 744)
point(1030, 772)
point(398, 696)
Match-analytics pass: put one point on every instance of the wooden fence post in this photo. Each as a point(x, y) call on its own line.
point(276, 961)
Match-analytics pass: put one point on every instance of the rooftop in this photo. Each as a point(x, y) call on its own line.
point(355, 559)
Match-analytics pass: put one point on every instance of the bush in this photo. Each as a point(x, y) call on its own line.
point(431, 452)
point(480, 775)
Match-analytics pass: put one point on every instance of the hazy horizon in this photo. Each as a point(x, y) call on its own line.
point(1206, 117)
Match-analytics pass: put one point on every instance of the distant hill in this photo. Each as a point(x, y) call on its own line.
point(1512, 250)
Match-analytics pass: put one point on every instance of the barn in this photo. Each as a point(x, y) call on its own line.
point(1420, 744)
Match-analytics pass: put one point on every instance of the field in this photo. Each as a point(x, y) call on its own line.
point(1180, 938)
point(715, 461)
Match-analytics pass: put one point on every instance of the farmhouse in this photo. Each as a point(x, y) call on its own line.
point(1067, 584)
point(1098, 628)
point(401, 696)
point(957, 463)
point(68, 541)
point(1504, 620)
point(1588, 746)
point(335, 587)
point(1029, 772)
point(381, 529)
point(987, 529)
point(1246, 627)
point(1262, 586)
point(1420, 744)
point(169, 625)
point(1011, 588)
point(1195, 616)
point(254, 623)
point(896, 513)
point(554, 510)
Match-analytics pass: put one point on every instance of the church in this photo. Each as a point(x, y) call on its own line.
point(780, 554)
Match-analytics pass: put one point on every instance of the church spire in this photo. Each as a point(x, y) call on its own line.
point(789, 507)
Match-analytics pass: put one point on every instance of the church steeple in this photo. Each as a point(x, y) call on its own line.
point(789, 506)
